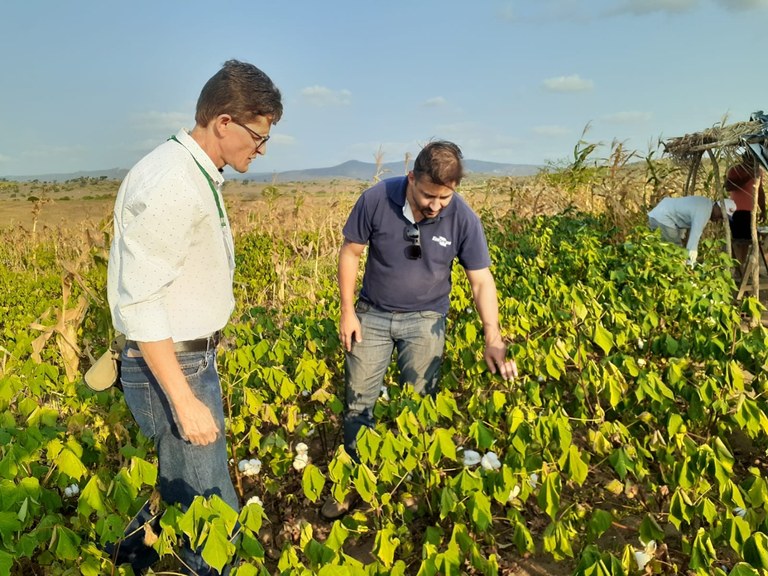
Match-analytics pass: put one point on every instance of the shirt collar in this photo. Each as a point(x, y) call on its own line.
point(199, 154)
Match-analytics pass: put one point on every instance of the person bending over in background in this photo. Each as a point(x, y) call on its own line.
point(675, 217)
point(742, 180)
point(414, 227)
point(170, 284)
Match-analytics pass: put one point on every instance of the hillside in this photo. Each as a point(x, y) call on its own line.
point(352, 169)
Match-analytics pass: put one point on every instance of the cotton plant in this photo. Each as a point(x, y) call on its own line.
point(71, 491)
point(490, 461)
point(250, 467)
point(254, 500)
point(645, 555)
point(301, 459)
point(471, 458)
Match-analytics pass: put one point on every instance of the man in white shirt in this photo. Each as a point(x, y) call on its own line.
point(170, 284)
point(676, 216)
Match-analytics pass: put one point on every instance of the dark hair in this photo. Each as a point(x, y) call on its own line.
point(240, 90)
point(440, 161)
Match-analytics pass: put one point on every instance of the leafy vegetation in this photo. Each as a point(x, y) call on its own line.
point(634, 440)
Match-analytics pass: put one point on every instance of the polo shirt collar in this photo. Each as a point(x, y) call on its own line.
point(396, 191)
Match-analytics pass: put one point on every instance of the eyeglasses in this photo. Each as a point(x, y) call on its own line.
point(258, 139)
point(413, 235)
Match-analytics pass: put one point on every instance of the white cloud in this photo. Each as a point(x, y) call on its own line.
point(642, 7)
point(572, 83)
point(274, 137)
point(628, 117)
point(162, 122)
point(551, 130)
point(435, 102)
point(743, 5)
point(4, 158)
point(321, 96)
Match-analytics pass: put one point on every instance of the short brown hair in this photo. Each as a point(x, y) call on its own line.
point(440, 161)
point(240, 90)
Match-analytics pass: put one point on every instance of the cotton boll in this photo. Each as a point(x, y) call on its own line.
point(642, 558)
point(533, 480)
point(301, 448)
point(641, 362)
point(255, 500)
point(514, 493)
point(384, 394)
point(254, 464)
point(300, 462)
point(242, 465)
point(490, 461)
point(471, 458)
point(740, 512)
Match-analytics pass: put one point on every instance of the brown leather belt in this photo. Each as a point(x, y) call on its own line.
point(199, 345)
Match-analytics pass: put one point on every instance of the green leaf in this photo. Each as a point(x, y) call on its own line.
point(142, 472)
point(573, 466)
point(442, 445)
point(549, 494)
point(482, 436)
point(599, 522)
point(480, 510)
point(650, 529)
point(65, 543)
point(756, 550)
point(603, 338)
point(313, 482)
point(91, 498)
point(69, 463)
point(702, 551)
point(217, 549)
point(743, 569)
point(338, 535)
point(386, 544)
point(365, 483)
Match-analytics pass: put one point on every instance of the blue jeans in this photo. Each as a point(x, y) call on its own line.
point(184, 470)
point(419, 338)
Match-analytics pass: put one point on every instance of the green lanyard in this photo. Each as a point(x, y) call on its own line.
point(222, 219)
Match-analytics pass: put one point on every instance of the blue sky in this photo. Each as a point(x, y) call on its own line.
point(90, 85)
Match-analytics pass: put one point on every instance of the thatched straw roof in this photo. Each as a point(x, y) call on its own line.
point(685, 149)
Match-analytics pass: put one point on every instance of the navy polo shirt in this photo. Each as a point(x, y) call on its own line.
point(395, 283)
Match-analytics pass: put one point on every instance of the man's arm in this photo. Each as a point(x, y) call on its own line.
point(487, 304)
point(349, 262)
point(193, 417)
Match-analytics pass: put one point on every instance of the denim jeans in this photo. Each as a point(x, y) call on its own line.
point(419, 338)
point(184, 469)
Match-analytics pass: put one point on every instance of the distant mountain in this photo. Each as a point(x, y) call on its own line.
point(350, 170)
point(356, 170)
point(111, 174)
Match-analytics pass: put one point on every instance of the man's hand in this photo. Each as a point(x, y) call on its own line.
point(350, 330)
point(196, 423)
point(496, 359)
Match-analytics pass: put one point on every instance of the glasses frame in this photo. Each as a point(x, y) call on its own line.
point(413, 235)
point(258, 139)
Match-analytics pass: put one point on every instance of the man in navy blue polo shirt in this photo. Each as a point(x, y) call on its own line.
point(414, 227)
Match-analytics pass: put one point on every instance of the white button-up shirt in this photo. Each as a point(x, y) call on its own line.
point(171, 262)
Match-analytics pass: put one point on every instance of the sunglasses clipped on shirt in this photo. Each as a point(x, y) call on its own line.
point(413, 235)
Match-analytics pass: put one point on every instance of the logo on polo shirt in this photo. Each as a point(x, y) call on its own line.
point(441, 240)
